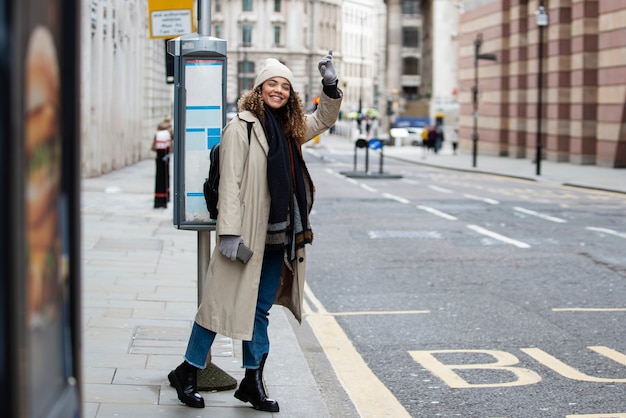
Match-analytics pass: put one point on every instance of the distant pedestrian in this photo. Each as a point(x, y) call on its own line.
point(432, 138)
point(439, 138)
point(425, 137)
point(454, 139)
point(265, 198)
point(162, 145)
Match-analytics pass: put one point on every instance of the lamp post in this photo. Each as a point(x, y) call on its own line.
point(477, 56)
point(362, 59)
point(542, 22)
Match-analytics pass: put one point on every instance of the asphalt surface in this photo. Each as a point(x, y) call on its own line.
point(139, 292)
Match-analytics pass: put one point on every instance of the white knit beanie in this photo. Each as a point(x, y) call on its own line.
point(273, 68)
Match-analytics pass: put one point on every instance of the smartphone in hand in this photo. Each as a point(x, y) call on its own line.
point(243, 253)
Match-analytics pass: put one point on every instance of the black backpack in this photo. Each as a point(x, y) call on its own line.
point(212, 183)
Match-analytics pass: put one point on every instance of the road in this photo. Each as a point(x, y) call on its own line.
point(449, 294)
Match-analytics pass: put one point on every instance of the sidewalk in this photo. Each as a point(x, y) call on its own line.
point(139, 291)
point(586, 176)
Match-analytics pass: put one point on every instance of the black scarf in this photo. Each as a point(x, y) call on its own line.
point(291, 190)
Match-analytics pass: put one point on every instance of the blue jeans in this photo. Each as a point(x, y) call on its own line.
point(201, 339)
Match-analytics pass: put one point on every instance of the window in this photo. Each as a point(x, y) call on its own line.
point(410, 7)
point(410, 93)
point(277, 5)
point(410, 66)
point(218, 5)
point(246, 35)
point(410, 37)
point(218, 31)
point(245, 83)
point(276, 35)
point(245, 67)
point(247, 5)
point(246, 75)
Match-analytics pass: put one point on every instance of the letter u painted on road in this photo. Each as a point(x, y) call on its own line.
point(570, 372)
point(503, 367)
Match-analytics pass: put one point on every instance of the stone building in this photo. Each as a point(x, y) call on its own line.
point(582, 118)
point(123, 90)
point(408, 69)
point(299, 33)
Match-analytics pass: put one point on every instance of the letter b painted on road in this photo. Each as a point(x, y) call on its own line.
point(502, 367)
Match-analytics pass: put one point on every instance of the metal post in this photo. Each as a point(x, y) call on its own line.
point(477, 43)
point(477, 56)
point(361, 80)
point(542, 22)
point(204, 17)
point(204, 256)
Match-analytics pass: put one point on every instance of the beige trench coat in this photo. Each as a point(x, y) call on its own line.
point(231, 288)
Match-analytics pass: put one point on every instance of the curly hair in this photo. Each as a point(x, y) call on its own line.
point(291, 116)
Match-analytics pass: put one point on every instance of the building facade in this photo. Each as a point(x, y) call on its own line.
point(580, 116)
point(408, 68)
point(444, 58)
point(298, 33)
point(123, 90)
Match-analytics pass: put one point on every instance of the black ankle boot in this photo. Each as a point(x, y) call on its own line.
point(184, 379)
point(252, 390)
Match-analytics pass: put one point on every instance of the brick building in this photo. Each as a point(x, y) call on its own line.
point(583, 112)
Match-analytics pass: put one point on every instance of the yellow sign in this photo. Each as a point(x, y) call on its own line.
point(170, 18)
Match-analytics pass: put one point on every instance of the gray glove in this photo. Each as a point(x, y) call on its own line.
point(229, 245)
point(327, 69)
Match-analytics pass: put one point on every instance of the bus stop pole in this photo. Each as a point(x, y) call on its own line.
point(212, 377)
point(204, 256)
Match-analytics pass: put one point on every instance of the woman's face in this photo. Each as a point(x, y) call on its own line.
point(275, 92)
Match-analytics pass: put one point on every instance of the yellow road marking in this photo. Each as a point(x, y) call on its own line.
point(356, 313)
point(370, 396)
point(570, 372)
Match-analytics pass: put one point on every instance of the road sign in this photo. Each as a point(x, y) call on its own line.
point(169, 19)
point(375, 144)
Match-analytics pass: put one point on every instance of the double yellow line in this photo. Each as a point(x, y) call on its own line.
point(370, 396)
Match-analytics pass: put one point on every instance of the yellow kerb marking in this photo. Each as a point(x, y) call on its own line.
point(369, 395)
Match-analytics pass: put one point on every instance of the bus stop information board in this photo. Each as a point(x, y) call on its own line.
point(169, 18)
point(203, 126)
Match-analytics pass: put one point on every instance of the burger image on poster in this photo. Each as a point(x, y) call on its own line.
point(42, 145)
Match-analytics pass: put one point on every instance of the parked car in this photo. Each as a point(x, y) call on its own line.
point(409, 135)
point(415, 135)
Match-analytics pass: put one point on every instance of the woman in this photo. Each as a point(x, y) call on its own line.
point(266, 195)
point(162, 145)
